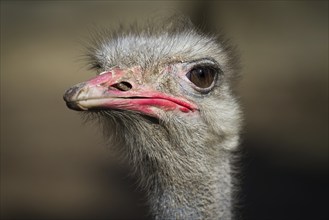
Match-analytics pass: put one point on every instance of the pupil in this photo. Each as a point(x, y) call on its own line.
point(201, 73)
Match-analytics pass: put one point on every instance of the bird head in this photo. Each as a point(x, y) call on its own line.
point(169, 74)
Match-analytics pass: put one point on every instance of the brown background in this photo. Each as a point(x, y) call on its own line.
point(53, 166)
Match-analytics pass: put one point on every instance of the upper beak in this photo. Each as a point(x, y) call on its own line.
point(118, 89)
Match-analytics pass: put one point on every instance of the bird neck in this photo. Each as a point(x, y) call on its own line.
point(201, 195)
point(185, 174)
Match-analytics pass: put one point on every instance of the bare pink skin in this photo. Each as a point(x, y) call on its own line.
point(100, 92)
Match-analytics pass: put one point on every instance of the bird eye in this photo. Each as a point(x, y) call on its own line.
point(202, 77)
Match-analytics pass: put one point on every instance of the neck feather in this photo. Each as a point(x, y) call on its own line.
point(186, 174)
point(205, 195)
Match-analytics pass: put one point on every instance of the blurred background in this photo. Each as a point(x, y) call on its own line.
point(55, 167)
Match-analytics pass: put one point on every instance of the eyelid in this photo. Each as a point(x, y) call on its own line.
point(203, 64)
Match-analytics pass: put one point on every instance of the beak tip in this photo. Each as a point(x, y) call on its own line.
point(73, 91)
point(70, 95)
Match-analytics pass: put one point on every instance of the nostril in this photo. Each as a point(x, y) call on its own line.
point(122, 86)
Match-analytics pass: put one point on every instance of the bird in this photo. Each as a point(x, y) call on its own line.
point(164, 97)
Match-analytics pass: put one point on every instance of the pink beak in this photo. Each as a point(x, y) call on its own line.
point(119, 89)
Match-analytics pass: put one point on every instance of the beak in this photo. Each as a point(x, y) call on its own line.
point(119, 89)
